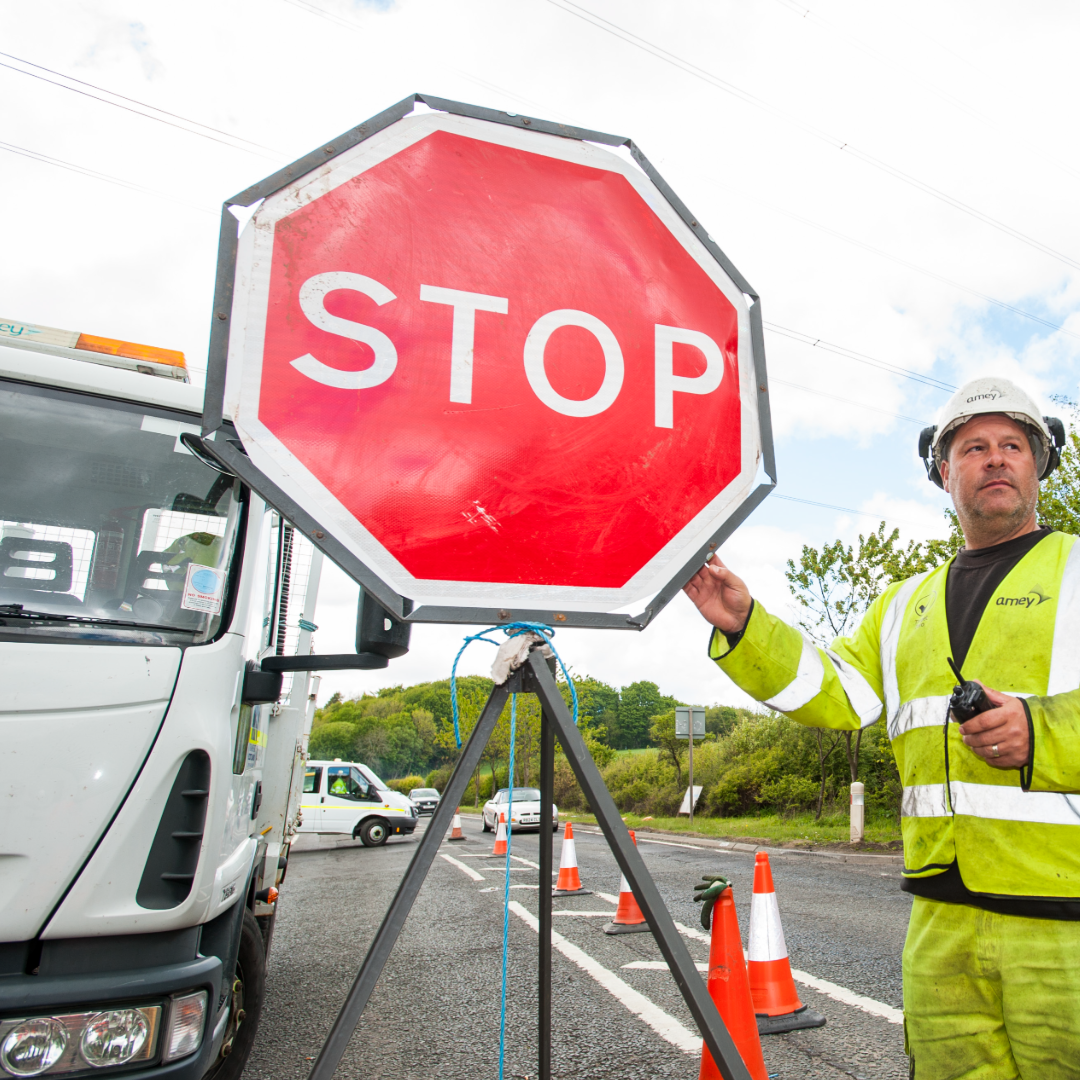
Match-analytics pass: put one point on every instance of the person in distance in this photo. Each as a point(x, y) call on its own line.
point(990, 814)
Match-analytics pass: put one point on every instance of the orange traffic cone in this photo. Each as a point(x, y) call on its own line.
point(628, 918)
point(500, 836)
point(772, 988)
point(456, 833)
point(569, 880)
point(729, 987)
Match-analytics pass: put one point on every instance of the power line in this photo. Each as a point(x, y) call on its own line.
point(233, 143)
point(314, 9)
point(848, 401)
point(1015, 135)
point(848, 510)
point(82, 170)
point(862, 358)
point(895, 258)
point(834, 141)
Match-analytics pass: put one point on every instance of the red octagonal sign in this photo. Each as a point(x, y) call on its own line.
point(496, 364)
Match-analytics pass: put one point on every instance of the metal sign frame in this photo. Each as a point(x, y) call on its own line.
point(536, 677)
point(231, 454)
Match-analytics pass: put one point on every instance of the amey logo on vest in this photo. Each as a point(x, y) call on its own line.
point(1034, 597)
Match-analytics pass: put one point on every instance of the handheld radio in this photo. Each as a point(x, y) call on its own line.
point(968, 697)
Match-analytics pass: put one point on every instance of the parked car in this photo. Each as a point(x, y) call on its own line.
point(525, 812)
point(347, 797)
point(425, 799)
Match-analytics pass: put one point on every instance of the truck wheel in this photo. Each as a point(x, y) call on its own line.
point(248, 991)
point(374, 832)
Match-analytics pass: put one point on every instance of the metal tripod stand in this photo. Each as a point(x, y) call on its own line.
point(536, 677)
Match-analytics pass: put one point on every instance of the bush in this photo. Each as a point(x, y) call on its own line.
point(406, 784)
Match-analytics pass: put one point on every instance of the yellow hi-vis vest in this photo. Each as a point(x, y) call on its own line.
point(1010, 840)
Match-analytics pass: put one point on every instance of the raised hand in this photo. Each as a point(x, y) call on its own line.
point(722, 598)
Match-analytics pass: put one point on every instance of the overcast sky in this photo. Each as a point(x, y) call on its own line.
point(895, 180)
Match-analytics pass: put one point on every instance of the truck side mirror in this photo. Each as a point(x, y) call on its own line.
point(379, 632)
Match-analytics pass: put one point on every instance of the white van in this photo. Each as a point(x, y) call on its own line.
point(347, 797)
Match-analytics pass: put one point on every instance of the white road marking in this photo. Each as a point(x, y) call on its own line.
point(518, 858)
point(524, 886)
point(585, 914)
point(665, 1025)
point(505, 869)
point(822, 986)
point(669, 843)
point(849, 997)
point(468, 870)
point(658, 965)
point(691, 932)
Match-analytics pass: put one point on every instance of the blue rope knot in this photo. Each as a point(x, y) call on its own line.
point(513, 629)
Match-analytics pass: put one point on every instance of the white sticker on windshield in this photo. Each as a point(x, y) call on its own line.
point(203, 589)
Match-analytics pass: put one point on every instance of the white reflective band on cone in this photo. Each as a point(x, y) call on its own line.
point(992, 801)
point(624, 885)
point(805, 686)
point(569, 855)
point(766, 934)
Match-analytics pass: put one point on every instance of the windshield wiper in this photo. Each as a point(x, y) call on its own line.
point(17, 611)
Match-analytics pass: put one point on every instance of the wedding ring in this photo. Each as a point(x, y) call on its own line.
point(995, 750)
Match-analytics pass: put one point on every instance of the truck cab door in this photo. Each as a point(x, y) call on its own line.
point(349, 796)
point(311, 800)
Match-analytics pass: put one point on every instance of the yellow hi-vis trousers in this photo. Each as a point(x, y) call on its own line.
point(990, 997)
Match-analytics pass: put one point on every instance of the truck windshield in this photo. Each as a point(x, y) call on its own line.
point(109, 526)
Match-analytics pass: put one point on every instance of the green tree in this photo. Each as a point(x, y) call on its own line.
point(671, 747)
point(638, 704)
point(1059, 493)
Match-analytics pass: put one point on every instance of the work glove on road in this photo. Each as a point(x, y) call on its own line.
point(712, 885)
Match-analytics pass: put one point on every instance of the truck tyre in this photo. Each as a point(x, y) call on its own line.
point(248, 991)
point(374, 832)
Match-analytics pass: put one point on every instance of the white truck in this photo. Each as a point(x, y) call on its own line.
point(150, 768)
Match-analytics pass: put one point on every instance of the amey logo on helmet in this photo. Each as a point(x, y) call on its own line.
point(990, 395)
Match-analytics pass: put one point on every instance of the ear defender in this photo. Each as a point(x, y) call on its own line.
point(926, 441)
point(1057, 435)
point(1053, 453)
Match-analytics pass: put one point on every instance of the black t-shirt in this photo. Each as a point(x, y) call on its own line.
point(973, 577)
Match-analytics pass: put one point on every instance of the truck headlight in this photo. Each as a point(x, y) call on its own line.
point(33, 1046)
point(114, 1038)
point(69, 1042)
point(185, 1029)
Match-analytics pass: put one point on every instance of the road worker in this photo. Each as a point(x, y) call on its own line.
point(991, 832)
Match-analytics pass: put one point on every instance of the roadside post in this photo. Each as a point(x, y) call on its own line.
point(858, 812)
point(690, 722)
point(483, 426)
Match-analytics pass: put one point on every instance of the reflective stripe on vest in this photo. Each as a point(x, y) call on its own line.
point(991, 801)
point(859, 692)
point(890, 640)
point(1065, 659)
point(805, 686)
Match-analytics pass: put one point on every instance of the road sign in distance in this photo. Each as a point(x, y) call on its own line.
point(497, 366)
point(683, 714)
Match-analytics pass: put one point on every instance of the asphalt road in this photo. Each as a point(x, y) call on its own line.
point(435, 1012)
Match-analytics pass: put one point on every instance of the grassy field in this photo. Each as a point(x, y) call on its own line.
point(800, 829)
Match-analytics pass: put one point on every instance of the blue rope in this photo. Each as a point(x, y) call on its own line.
point(512, 630)
point(506, 884)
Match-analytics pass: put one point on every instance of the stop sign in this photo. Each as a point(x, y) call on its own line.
point(496, 365)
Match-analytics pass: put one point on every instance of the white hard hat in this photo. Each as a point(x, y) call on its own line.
point(992, 395)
